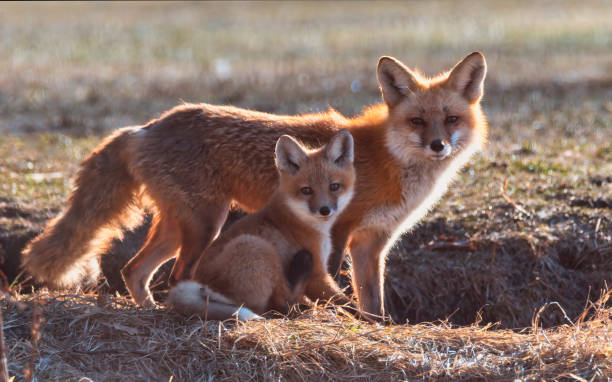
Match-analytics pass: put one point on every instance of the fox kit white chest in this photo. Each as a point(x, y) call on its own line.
point(322, 229)
point(325, 247)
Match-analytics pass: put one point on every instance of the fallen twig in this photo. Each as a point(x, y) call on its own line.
point(462, 245)
point(512, 202)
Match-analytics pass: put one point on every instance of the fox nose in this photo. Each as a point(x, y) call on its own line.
point(324, 210)
point(437, 145)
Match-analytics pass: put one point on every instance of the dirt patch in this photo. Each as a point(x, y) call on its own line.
point(592, 203)
point(503, 279)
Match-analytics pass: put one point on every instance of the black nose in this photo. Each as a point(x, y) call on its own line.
point(324, 210)
point(437, 145)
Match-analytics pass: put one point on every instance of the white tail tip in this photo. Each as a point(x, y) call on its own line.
point(245, 314)
point(191, 297)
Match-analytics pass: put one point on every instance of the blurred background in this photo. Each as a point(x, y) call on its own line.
point(88, 68)
point(72, 72)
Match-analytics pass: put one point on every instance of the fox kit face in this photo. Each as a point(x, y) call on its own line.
point(435, 119)
point(318, 184)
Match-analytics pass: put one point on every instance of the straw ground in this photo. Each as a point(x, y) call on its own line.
point(82, 337)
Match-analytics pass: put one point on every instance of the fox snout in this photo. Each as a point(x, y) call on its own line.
point(324, 210)
point(437, 145)
point(439, 148)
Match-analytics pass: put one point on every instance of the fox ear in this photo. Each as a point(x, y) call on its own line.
point(289, 154)
point(395, 79)
point(340, 149)
point(467, 77)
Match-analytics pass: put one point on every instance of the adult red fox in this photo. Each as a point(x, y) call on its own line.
point(270, 259)
point(195, 161)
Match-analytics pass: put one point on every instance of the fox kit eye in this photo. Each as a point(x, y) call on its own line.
point(417, 121)
point(306, 190)
point(334, 187)
point(452, 119)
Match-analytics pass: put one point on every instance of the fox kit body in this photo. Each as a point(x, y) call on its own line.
point(270, 259)
point(196, 160)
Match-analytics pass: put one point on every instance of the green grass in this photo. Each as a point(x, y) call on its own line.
point(115, 67)
point(38, 169)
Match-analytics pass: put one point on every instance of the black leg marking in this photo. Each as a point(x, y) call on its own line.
point(299, 269)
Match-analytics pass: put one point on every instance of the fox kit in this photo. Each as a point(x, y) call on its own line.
point(270, 259)
point(195, 161)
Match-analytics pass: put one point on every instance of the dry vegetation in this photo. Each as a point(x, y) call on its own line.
point(110, 340)
point(527, 225)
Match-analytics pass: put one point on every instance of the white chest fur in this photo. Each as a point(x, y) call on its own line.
point(423, 183)
point(323, 227)
point(416, 185)
point(325, 240)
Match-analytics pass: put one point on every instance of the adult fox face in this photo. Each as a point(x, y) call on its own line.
point(318, 184)
point(433, 118)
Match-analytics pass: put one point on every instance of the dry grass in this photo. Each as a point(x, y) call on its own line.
point(111, 340)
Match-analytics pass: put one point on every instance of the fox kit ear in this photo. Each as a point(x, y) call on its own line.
point(467, 77)
point(395, 79)
point(289, 154)
point(340, 149)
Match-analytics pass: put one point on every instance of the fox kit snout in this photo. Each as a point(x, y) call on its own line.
point(270, 259)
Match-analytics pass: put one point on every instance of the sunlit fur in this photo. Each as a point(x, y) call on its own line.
point(197, 160)
point(423, 174)
point(247, 264)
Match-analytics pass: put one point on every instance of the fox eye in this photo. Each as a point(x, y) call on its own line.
point(306, 190)
point(417, 121)
point(452, 119)
point(334, 187)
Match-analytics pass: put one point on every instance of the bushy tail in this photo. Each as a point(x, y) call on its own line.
point(67, 252)
point(192, 298)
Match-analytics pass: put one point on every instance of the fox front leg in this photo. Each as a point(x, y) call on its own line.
point(340, 237)
point(367, 254)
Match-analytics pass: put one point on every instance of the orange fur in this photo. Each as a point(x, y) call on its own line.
point(196, 160)
point(247, 264)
